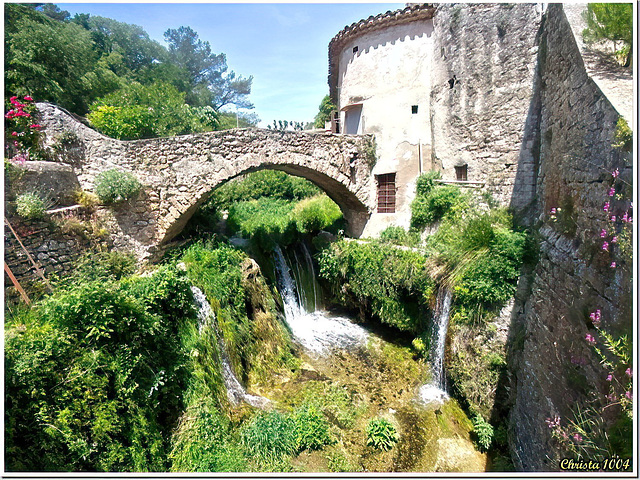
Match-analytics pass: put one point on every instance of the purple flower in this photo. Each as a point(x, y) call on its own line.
point(553, 423)
point(611, 397)
point(628, 372)
point(613, 264)
point(605, 246)
point(603, 233)
point(609, 377)
point(606, 207)
point(628, 395)
point(577, 438)
point(612, 192)
point(625, 217)
point(615, 173)
point(613, 218)
point(614, 240)
point(553, 211)
point(590, 339)
point(595, 317)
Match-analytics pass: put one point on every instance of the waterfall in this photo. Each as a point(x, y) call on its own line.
point(437, 389)
point(235, 391)
point(317, 331)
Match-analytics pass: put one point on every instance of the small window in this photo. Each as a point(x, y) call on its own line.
point(414, 109)
point(461, 173)
point(355, 49)
point(386, 193)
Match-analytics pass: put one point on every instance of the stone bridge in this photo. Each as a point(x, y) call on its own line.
point(179, 173)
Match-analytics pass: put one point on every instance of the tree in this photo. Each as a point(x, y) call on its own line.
point(144, 111)
point(51, 60)
point(209, 81)
point(324, 113)
point(611, 21)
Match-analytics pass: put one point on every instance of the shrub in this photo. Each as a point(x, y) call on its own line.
point(426, 182)
point(381, 434)
point(623, 135)
point(312, 429)
point(483, 432)
point(315, 214)
point(113, 186)
point(380, 279)
point(270, 435)
point(30, 206)
point(399, 236)
point(430, 208)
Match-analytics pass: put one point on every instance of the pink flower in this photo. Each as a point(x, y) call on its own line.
point(553, 211)
point(628, 395)
point(35, 125)
point(613, 264)
point(603, 233)
point(13, 99)
point(628, 372)
point(606, 207)
point(590, 339)
point(595, 317)
point(611, 397)
point(15, 134)
point(28, 98)
point(612, 192)
point(605, 246)
point(615, 173)
point(609, 377)
point(613, 218)
point(614, 240)
point(577, 438)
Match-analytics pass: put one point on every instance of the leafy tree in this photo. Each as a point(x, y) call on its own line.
point(611, 21)
point(51, 60)
point(209, 81)
point(143, 111)
point(52, 11)
point(324, 114)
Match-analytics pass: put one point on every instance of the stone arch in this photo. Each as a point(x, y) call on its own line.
point(355, 212)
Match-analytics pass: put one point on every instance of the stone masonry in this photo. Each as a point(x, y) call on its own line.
point(179, 173)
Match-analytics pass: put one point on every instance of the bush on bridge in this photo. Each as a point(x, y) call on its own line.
point(114, 186)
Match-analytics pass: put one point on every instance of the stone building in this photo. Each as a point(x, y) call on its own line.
point(436, 97)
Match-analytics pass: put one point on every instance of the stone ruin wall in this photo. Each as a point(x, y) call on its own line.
point(483, 70)
point(573, 276)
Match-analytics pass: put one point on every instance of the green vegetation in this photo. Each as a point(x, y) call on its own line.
point(114, 186)
point(134, 87)
point(324, 112)
point(381, 434)
point(145, 111)
point(30, 205)
point(434, 202)
point(394, 285)
point(399, 236)
point(483, 432)
point(95, 373)
point(623, 135)
point(312, 428)
point(613, 22)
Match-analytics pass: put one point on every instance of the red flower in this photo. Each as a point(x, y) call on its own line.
point(28, 98)
point(15, 134)
point(35, 125)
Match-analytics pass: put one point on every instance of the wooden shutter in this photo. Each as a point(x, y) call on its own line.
point(386, 193)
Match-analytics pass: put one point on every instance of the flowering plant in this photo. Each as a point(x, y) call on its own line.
point(22, 131)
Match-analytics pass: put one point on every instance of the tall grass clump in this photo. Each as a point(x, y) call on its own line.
point(31, 205)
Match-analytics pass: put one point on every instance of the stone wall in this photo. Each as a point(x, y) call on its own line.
point(482, 81)
point(179, 173)
point(552, 367)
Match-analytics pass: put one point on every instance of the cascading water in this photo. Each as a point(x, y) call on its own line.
point(235, 391)
point(316, 331)
point(436, 391)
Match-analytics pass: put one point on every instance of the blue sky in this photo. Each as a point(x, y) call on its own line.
point(283, 45)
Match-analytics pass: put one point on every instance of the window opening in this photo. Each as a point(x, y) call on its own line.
point(414, 109)
point(461, 173)
point(386, 193)
point(355, 49)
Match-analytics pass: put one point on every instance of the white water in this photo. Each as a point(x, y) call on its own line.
point(436, 391)
point(316, 331)
point(235, 391)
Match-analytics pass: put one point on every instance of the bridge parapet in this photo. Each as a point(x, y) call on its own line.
point(179, 173)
